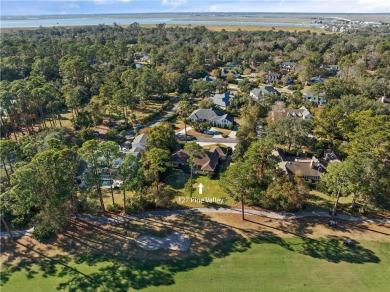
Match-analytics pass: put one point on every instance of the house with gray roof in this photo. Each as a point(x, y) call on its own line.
point(257, 93)
point(272, 77)
point(288, 66)
point(315, 80)
point(138, 145)
point(222, 99)
point(301, 113)
point(317, 98)
point(210, 78)
point(211, 116)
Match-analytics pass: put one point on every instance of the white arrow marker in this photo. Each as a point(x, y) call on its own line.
point(200, 186)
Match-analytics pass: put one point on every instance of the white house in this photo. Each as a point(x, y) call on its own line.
point(212, 116)
point(319, 98)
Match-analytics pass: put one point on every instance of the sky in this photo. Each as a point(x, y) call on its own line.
point(39, 7)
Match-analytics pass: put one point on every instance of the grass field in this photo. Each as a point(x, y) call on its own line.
point(212, 189)
point(259, 264)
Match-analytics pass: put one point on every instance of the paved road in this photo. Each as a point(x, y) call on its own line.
point(268, 214)
point(164, 114)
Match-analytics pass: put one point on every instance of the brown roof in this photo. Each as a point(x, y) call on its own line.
point(208, 162)
point(180, 156)
point(205, 162)
point(222, 151)
point(304, 169)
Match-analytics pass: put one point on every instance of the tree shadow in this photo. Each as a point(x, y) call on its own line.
point(119, 264)
point(332, 249)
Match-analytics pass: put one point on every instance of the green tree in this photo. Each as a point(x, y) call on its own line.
point(9, 152)
point(45, 189)
point(185, 109)
point(90, 153)
point(156, 162)
point(162, 136)
point(290, 131)
point(259, 156)
point(238, 181)
point(109, 152)
point(128, 172)
point(193, 150)
point(337, 181)
point(285, 194)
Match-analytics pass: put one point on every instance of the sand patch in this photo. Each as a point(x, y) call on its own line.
point(176, 241)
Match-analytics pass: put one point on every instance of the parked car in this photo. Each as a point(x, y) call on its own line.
point(182, 137)
point(209, 132)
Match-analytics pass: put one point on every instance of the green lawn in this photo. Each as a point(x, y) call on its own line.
point(211, 189)
point(266, 263)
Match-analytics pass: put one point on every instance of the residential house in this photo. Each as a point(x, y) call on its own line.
point(257, 93)
point(138, 145)
point(288, 66)
point(329, 157)
point(222, 99)
point(210, 78)
point(233, 65)
point(315, 80)
point(212, 116)
point(279, 110)
point(383, 99)
point(307, 169)
point(331, 69)
point(272, 77)
point(301, 113)
point(205, 163)
point(225, 72)
point(319, 98)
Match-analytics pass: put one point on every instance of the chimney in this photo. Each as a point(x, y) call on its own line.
point(383, 99)
point(311, 164)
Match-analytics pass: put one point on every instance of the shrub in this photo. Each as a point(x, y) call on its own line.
point(19, 221)
point(112, 134)
point(113, 208)
point(285, 195)
point(42, 232)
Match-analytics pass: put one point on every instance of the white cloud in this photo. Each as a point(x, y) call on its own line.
point(174, 3)
point(71, 5)
point(110, 1)
point(215, 8)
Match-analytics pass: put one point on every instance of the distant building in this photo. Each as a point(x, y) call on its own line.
point(278, 111)
point(222, 99)
point(383, 99)
point(258, 93)
point(272, 77)
point(315, 80)
point(319, 99)
point(332, 69)
point(288, 66)
point(209, 78)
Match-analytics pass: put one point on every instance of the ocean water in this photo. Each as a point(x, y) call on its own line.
point(80, 21)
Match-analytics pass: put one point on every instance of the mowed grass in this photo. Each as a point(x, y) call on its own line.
point(211, 188)
point(259, 264)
